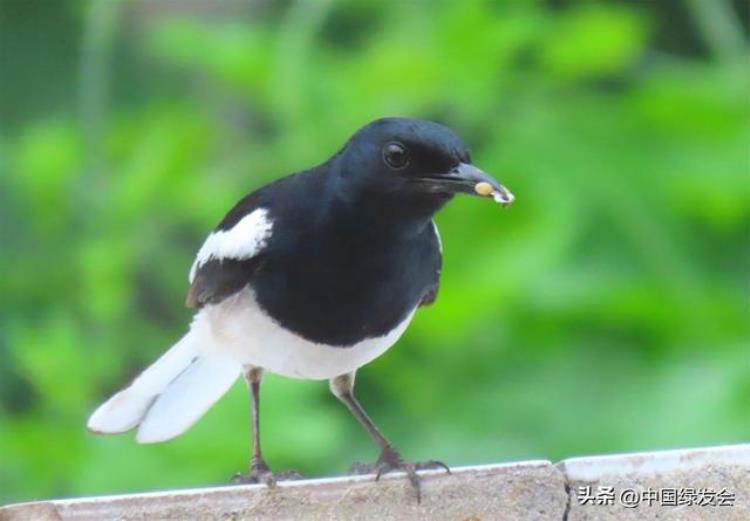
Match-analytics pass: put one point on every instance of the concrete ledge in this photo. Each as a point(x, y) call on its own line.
point(697, 484)
point(528, 490)
point(684, 485)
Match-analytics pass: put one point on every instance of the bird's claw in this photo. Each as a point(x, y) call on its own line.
point(260, 473)
point(391, 460)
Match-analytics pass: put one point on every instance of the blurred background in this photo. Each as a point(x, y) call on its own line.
point(606, 311)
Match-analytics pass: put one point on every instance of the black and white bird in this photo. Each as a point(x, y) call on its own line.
point(311, 276)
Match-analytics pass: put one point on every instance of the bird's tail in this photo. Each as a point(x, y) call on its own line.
point(170, 395)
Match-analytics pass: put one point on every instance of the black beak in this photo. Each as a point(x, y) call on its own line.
point(468, 179)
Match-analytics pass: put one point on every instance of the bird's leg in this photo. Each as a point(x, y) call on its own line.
point(390, 459)
point(259, 471)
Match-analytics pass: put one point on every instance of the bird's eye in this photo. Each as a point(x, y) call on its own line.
point(395, 155)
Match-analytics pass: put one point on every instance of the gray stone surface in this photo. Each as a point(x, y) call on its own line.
point(532, 490)
point(708, 484)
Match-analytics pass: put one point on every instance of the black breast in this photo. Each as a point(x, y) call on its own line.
point(341, 284)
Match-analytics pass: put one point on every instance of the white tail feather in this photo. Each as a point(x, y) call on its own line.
point(170, 395)
point(188, 398)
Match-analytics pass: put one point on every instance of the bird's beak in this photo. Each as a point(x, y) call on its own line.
point(466, 178)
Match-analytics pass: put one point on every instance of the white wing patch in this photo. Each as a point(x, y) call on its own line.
point(243, 241)
point(437, 236)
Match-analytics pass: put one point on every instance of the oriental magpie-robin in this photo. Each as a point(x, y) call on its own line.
point(312, 276)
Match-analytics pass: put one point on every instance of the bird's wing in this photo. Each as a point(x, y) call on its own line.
point(431, 295)
point(230, 254)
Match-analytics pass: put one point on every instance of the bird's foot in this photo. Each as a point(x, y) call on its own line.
point(260, 473)
point(391, 460)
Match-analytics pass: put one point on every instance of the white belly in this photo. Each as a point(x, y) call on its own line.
point(237, 326)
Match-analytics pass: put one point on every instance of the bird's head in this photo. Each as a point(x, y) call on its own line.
point(412, 163)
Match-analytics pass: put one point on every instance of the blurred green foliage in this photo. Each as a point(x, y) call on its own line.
point(607, 310)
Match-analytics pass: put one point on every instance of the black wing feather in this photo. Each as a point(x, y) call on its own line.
point(431, 294)
point(219, 278)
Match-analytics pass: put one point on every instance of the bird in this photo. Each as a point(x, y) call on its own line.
point(311, 276)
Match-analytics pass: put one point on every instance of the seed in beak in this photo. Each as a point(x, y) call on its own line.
point(483, 188)
point(503, 196)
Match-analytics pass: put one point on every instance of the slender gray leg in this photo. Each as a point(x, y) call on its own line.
point(259, 471)
point(390, 459)
point(343, 388)
point(253, 376)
